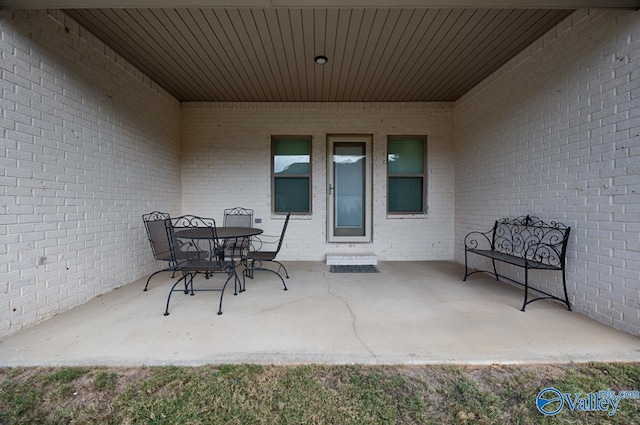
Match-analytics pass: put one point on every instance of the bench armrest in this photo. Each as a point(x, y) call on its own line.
point(478, 240)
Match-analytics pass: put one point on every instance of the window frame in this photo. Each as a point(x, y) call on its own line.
point(422, 175)
point(277, 138)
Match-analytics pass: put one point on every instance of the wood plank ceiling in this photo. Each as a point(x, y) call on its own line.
point(266, 54)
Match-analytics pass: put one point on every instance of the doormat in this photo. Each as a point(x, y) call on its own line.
point(352, 268)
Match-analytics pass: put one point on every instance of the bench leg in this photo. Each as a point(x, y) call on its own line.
point(464, 279)
point(564, 284)
point(526, 288)
point(495, 271)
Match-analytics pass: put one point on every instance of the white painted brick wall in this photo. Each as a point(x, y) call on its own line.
point(226, 163)
point(556, 133)
point(87, 145)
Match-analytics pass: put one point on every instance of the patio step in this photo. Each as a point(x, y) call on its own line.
point(352, 259)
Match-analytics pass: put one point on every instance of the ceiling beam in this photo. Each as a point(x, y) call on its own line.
point(498, 4)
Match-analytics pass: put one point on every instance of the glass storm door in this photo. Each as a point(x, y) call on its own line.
point(349, 188)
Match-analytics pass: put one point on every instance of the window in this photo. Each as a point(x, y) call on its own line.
point(406, 185)
point(291, 174)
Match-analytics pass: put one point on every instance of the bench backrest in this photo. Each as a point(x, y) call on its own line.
point(531, 238)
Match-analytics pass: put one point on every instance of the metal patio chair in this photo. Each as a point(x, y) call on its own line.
point(154, 223)
point(198, 235)
point(260, 253)
point(237, 217)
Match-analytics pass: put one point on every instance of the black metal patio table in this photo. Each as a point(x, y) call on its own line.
point(222, 233)
point(215, 262)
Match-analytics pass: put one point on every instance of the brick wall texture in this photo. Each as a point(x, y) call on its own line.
point(226, 152)
point(88, 144)
point(556, 133)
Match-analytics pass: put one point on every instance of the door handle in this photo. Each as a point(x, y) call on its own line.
point(330, 189)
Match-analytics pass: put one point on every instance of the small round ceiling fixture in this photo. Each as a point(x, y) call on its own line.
point(321, 59)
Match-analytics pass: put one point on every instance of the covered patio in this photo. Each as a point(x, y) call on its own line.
point(91, 138)
point(408, 313)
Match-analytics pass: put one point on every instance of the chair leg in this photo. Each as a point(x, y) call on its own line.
point(155, 273)
point(281, 266)
point(249, 269)
point(283, 284)
point(244, 265)
point(191, 276)
point(245, 273)
point(152, 275)
point(272, 271)
point(236, 284)
point(166, 311)
point(234, 274)
point(241, 286)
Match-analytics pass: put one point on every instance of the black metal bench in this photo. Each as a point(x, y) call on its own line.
point(526, 242)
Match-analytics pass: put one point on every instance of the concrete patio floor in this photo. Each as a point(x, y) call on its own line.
point(409, 313)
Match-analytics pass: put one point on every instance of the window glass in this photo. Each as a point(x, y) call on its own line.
point(406, 174)
point(406, 156)
point(405, 194)
point(291, 174)
point(291, 194)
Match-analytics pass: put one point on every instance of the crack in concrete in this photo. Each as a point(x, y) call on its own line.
point(353, 317)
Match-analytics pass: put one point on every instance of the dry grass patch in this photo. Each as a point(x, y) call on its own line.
point(310, 394)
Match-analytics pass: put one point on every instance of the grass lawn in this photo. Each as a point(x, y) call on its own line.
point(315, 394)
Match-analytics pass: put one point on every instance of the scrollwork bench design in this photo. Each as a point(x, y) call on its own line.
point(526, 242)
